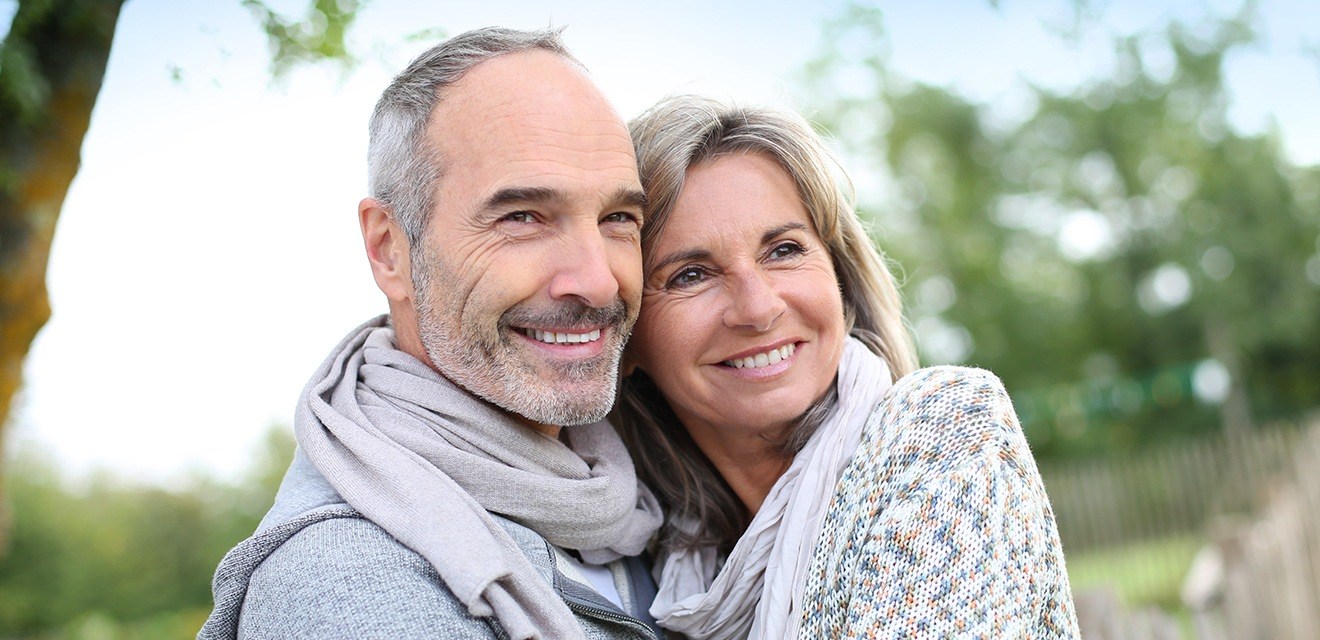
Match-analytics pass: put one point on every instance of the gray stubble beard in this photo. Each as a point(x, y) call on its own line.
point(489, 367)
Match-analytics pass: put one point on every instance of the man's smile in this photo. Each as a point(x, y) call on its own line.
point(560, 337)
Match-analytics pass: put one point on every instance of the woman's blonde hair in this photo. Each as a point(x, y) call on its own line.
point(671, 137)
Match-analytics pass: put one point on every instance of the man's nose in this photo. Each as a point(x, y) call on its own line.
point(753, 302)
point(585, 271)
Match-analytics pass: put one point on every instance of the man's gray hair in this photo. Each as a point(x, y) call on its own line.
point(402, 167)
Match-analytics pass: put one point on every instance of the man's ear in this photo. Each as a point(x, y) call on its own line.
point(387, 250)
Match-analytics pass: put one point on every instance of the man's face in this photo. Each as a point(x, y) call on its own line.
point(528, 278)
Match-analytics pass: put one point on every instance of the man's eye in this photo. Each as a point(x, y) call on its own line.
point(519, 216)
point(620, 216)
point(686, 277)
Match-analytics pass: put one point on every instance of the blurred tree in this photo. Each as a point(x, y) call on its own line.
point(52, 62)
point(134, 560)
point(51, 65)
point(1128, 263)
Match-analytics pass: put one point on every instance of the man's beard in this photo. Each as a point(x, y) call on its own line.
point(487, 360)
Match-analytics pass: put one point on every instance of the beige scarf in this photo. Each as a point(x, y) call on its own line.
point(425, 460)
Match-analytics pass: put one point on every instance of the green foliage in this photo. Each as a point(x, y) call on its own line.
point(318, 36)
point(24, 89)
point(119, 559)
point(1112, 253)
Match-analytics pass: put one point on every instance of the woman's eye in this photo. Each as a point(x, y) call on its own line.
point(686, 277)
point(786, 249)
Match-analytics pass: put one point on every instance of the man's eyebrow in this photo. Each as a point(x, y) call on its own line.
point(626, 197)
point(781, 230)
point(523, 195)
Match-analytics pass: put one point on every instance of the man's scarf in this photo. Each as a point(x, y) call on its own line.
point(425, 460)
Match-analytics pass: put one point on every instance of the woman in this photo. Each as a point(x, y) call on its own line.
point(808, 494)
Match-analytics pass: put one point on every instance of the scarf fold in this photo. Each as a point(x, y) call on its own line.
point(758, 591)
point(425, 460)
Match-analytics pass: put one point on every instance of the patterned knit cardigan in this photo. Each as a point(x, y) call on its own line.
point(940, 526)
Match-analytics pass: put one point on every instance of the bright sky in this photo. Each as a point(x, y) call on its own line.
point(208, 256)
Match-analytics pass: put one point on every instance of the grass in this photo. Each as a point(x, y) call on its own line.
point(1143, 573)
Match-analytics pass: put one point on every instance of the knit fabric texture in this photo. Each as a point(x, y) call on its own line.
point(316, 568)
point(940, 526)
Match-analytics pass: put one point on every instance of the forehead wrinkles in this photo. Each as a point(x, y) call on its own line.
point(710, 228)
point(507, 147)
point(535, 134)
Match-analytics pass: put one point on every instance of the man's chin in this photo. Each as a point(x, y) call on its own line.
point(526, 381)
point(564, 404)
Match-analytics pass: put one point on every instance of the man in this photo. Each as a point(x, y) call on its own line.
point(454, 477)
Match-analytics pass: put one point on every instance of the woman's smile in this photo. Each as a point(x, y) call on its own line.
point(762, 358)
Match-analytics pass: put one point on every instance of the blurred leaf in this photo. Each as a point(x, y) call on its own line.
point(318, 36)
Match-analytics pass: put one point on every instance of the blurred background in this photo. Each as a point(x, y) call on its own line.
point(1113, 205)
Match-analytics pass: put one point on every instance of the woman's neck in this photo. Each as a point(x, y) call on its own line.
point(749, 464)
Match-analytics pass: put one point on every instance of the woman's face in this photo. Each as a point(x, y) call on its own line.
point(742, 324)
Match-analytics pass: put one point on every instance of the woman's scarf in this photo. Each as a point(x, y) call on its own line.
point(758, 591)
point(425, 460)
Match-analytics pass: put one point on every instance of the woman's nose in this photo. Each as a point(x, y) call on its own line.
point(754, 303)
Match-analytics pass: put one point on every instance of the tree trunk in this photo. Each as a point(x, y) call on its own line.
point(51, 67)
point(1235, 413)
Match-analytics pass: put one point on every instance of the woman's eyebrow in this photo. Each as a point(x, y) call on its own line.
point(703, 254)
point(781, 230)
point(681, 256)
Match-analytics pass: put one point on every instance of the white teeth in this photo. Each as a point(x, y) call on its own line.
point(551, 337)
point(770, 357)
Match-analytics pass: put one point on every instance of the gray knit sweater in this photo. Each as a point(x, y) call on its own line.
point(315, 568)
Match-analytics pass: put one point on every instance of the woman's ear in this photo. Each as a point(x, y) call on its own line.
point(627, 364)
